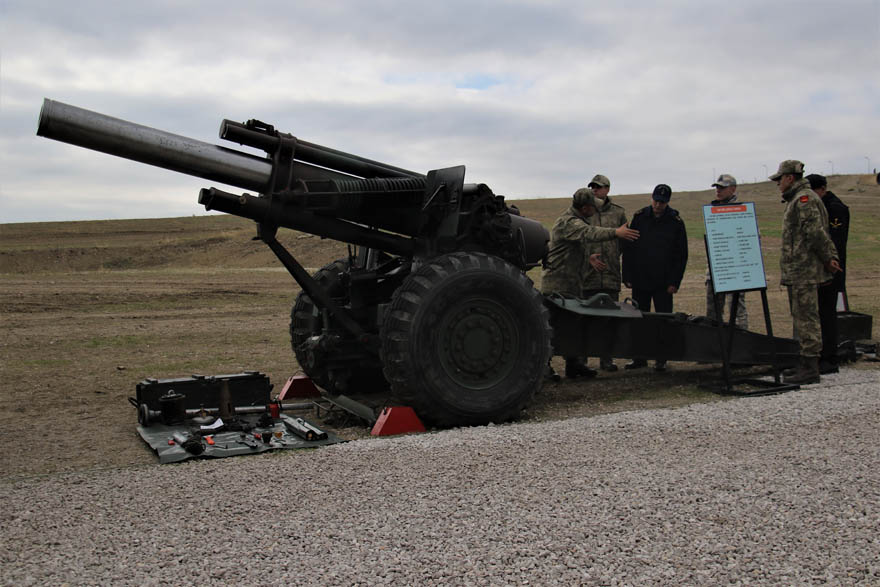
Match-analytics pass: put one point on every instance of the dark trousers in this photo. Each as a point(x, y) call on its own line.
point(662, 303)
point(662, 299)
point(828, 321)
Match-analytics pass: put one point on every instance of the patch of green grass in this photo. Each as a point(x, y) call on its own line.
point(116, 341)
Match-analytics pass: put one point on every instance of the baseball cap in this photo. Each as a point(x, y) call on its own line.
point(662, 193)
point(600, 181)
point(724, 181)
point(817, 181)
point(788, 166)
point(583, 197)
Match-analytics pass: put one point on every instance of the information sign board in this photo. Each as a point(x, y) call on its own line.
point(734, 247)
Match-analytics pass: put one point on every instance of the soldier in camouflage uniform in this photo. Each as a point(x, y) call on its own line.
point(808, 259)
point(602, 274)
point(725, 193)
point(563, 271)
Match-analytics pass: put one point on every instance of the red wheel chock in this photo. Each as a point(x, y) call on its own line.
point(298, 386)
point(397, 420)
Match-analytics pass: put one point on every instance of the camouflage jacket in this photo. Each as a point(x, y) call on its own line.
point(609, 215)
point(563, 270)
point(806, 245)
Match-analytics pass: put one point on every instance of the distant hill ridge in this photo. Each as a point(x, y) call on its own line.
point(218, 241)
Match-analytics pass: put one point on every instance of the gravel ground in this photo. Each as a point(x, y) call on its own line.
point(773, 490)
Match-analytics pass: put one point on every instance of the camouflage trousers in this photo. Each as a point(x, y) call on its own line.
point(806, 328)
point(725, 302)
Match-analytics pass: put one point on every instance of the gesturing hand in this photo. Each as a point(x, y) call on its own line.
point(626, 233)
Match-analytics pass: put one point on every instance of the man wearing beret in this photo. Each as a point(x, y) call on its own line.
point(809, 258)
point(563, 270)
point(602, 273)
point(838, 229)
point(725, 193)
point(654, 266)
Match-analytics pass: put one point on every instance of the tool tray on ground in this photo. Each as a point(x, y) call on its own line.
point(182, 418)
point(228, 442)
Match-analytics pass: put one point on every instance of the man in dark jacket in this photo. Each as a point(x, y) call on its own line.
point(654, 265)
point(838, 229)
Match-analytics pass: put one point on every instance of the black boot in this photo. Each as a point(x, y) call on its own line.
point(660, 365)
point(827, 366)
point(551, 374)
point(636, 364)
point(607, 364)
point(575, 369)
point(808, 372)
point(789, 371)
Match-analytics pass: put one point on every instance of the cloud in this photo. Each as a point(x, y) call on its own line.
point(534, 97)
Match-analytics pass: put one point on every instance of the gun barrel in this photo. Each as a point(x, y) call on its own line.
point(315, 153)
point(114, 136)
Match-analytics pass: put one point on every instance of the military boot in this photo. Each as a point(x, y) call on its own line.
point(827, 366)
point(551, 375)
point(576, 368)
point(808, 372)
point(607, 364)
point(789, 371)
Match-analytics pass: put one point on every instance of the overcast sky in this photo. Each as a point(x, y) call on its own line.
point(534, 97)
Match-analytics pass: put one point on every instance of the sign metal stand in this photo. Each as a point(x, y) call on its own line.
point(733, 249)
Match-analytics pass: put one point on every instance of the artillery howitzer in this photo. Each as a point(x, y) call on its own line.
point(433, 300)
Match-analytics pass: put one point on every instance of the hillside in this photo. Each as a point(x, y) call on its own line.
point(218, 241)
point(91, 308)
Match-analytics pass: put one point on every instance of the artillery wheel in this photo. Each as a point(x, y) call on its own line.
point(466, 340)
point(306, 322)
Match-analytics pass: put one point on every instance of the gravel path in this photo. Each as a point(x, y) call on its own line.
point(780, 490)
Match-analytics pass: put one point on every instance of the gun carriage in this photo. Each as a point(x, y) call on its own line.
point(432, 301)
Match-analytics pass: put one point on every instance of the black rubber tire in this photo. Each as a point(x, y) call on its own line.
point(304, 324)
point(466, 340)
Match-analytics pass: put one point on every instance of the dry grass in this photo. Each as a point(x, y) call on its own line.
point(91, 308)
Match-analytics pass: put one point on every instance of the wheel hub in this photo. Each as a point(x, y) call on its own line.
point(477, 342)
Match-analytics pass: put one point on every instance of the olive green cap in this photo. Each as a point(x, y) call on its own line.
point(725, 180)
point(600, 180)
point(583, 197)
point(792, 166)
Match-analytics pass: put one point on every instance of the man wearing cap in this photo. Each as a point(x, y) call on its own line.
point(838, 229)
point(654, 266)
point(563, 270)
point(602, 270)
point(725, 193)
point(808, 259)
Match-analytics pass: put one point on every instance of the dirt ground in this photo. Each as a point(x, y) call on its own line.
point(89, 309)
